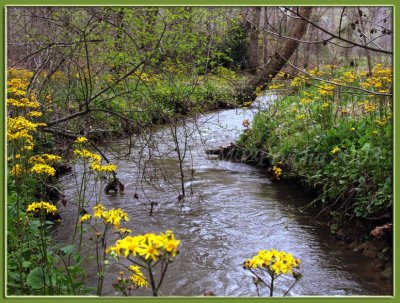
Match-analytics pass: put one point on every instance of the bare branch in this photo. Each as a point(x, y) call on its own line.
point(341, 38)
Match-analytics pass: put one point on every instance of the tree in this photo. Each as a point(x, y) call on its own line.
point(280, 57)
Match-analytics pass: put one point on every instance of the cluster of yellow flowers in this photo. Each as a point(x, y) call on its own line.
point(277, 171)
point(86, 154)
point(20, 127)
point(368, 107)
point(43, 169)
point(16, 169)
point(349, 77)
point(44, 158)
point(148, 247)
point(42, 164)
point(381, 79)
point(109, 168)
point(275, 262)
point(37, 207)
point(315, 72)
point(306, 101)
point(112, 216)
point(16, 89)
point(137, 278)
point(298, 81)
point(85, 217)
point(385, 120)
point(326, 89)
point(94, 159)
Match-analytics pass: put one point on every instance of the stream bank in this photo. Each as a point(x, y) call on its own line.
point(231, 211)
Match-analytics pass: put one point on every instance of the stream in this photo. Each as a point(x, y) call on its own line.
point(230, 212)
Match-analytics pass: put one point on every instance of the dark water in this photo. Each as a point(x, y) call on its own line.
point(231, 211)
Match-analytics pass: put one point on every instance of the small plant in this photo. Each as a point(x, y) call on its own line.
point(149, 252)
point(272, 264)
point(110, 219)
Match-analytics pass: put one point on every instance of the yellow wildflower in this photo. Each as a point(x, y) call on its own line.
point(35, 114)
point(98, 210)
point(326, 90)
point(81, 140)
point(149, 247)
point(298, 81)
point(85, 154)
point(16, 170)
point(275, 262)
point(95, 166)
point(85, 217)
point(137, 279)
point(335, 150)
point(43, 169)
point(36, 207)
point(277, 171)
point(305, 101)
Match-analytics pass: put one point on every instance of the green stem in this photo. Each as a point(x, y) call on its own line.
point(81, 197)
point(162, 277)
point(271, 290)
point(99, 270)
point(294, 283)
point(152, 283)
point(46, 269)
point(69, 276)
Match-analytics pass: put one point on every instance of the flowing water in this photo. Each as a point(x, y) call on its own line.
point(231, 211)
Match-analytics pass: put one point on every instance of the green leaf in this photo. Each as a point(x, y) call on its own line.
point(35, 278)
point(67, 250)
point(366, 147)
point(26, 264)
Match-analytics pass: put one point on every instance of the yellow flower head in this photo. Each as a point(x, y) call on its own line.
point(16, 170)
point(85, 154)
point(36, 207)
point(81, 140)
point(275, 262)
point(85, 217)
point(98, 210)
point(137, 278)
point(325, 105)
point(277, 171)
point(335, 150)
point(149, 247)
point(114, 217)
point(109, 168)
point(43, 169)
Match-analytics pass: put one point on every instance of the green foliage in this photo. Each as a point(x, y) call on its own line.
point(232, 51)
point(26, 273)
point(337, 142)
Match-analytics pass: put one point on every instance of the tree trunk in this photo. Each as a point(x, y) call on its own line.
point(251, 25)
point(278, 60)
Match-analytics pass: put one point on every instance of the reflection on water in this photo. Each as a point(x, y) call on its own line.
point(231, 211)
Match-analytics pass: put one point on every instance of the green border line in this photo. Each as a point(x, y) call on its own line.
point(396, 67)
